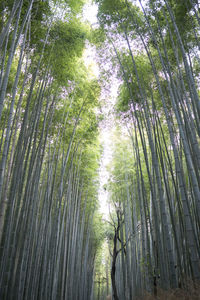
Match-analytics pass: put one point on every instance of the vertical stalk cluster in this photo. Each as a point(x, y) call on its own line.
point(48, 124)
point(159, 182)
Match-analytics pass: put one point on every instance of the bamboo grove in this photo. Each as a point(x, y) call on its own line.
point(52, 237)
point(49, 153)
point(155, 173)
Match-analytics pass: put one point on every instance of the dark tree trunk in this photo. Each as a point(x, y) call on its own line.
point(114, 258)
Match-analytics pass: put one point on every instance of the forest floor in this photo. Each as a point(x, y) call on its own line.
point(191, 293)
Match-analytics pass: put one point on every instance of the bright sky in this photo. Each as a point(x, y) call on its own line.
point(89, 59)
point(90, 14)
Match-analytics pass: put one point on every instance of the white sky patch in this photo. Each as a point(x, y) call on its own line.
point(90, 14)
point(106, 137)
point(90, 11)
point(90, 61)
point(107, 126)
point(106, 131)
point(103, 172)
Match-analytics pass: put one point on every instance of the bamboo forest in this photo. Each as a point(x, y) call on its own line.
point(99, 149)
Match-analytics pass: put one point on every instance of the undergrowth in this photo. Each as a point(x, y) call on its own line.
point(190, 292)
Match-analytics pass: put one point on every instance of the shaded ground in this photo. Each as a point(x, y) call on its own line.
point(191, 293)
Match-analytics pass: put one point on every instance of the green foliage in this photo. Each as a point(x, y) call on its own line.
point(120, 14)
point(99, 231)
point(130, 89)
point(98, 36)
point(185, 21)
point(66, 45)
point(76, 6)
